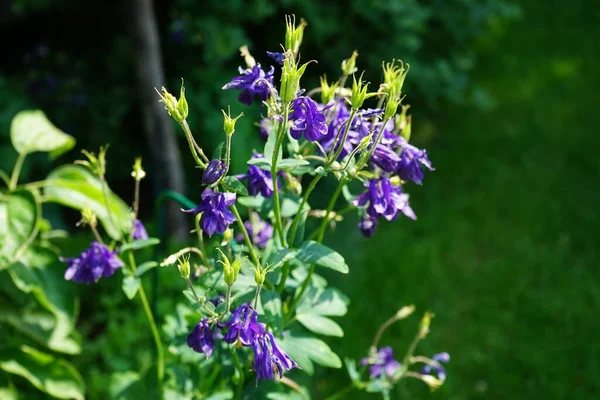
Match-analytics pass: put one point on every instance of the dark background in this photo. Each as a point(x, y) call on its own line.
point(504, 97)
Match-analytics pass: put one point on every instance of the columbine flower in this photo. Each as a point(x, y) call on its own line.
point(139, 231)
point(260, 232)
point(215, 214)
point(259, 180)
point(385, 158)
point(92, 264)
point(367, 225)
point(437, 368)
point(307, 119)
point(243, 326)
point(411, 158)
point(270, 360)
point(252, 82)
point(382, 363)
point(278, 57)
point(200, 339)
point(215, 170)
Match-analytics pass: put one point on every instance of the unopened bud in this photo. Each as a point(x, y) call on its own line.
point(290, 77)
point(227, 235)
point(424, 325)
point(138, 173)
point(349, 64)
point(184, 267)
point(229, 123)
point(230, 270)
point(405, 312)
point(407, 128)
point(178, 109)
point(293, 33)
point(359, 93)
point(88, 218)
point(96, 164)
point(431, 381)
point(244, 52)
point(213, 172)
point(327, 90)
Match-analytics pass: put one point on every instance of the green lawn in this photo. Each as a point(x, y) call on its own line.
point(505, 250)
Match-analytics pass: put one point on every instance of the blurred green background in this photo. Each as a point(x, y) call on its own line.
point(504, 97)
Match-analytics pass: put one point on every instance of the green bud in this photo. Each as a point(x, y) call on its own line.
point(260, 275)
point(424, 325)
point(431, 381)
point(88, 218)
point(227, 235)
point(359, 93)
point(394, 74)
point(390, 108)
point(349, 64)
point(230, 270)
point(228, 122)
point(327, 91)
point(290, 77)
point(178, 109)
point(395, 180)
point(96, 164)
point(364, 143)
point(406, 131)
point(293, 34)
point(138, 173)
point(405, 312)
point(183, 265)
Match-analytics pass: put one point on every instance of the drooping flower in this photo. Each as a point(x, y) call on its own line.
point(201, 339)
point(259, 180)
point(307, 119)
point(384, 199)
point(382, 363)
point(411, 161)
point(252, 82)
point(270, 360)
point(216, 217)
point(243, 325)
point(92, 264)
point(367, 225)
point(385, 158)
point(139, 231)
point(260, 231)
point(278, 57)
point(439, 370)
point(213, 172)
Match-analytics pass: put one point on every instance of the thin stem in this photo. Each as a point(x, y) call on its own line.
point(194, 148)
point(228, 299)
point(330, 206)
point(227, 154)
point(382, 329)
point(344, 137)
point(277, 206)
point(341, 394)
point(411, 349)
point(136, 199)
point(5, 178)
point(201, 239)
point(294, 227)
point(238, 218)
point(14, 179)
point(96, 234)
point(105, 195)
point(284, 274)
point(191, 286)
point(257, 296)
point(373, 146)
point(153, 328)
point(240, 367)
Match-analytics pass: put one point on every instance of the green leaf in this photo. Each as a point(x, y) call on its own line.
point(139, 244)
point(233, 184)
point(261, 163)
point(218, 153)
point(19, 215)
point(306, 350)
point(126, 385)
point(280, 257)
point(76, 187)
point(271, 302)
point(269, 148)
point(31, 131)
point(252, 201)
point(328, 302)
point(312, 252)
point(321, 325)
point(145, 267)
point(53, 376)
point(301, 227)
point(352, 370)
point(130, 286)
point(289, 164)
point(289, 206)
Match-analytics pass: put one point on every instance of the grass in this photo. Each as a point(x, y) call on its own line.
point(505, 250)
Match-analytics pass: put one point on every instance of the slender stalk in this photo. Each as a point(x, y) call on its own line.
point(14, 178)
point(276, 205)
point(201, 239)
point(136, 199)
point(191, 286)
point(194, 148)
point(296, 221)
point(227, 154)
point(373, 146)
point(240, 367)
point(96, 234)
point(382, 329)
point(330, 206)
point(238, 218)
point(228, 299)
point(341, 394)
point(344, 137)
point(153, 328)
point(284, 274)
point(257, 296)
point(411, 349)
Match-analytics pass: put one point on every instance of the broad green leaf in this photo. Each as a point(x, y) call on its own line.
point(269, 148)
point(126, 386)
point(139, 244)
point(291, 163)
point(328, 302)
point(130, 286)
point(223, 395)
point(289, 206)
point(280, 257)
point(31, 131)
point(232, 184)
point(301, 227)
point(76, 187)
point(321, 325)
point(312, 252)
point(252, 201)
point(145, 267)
point(271, 303)
point(19, 215)
point(305, 350)
point(218, 153)
point(261, 163)
point(51, 375)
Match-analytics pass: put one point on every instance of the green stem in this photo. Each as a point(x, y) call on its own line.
point(194, 148)
point(227, 299)
point(240, 367)
point(344, 137)
point(411, 349)
point(330, 206)
point(342, 393)
point(238, 218)
point(257, 296)
point(373, 146)
point(14, 179)
point(201, 240)
point(284, 274)
point(294, 227)
point(155, 334)
point(276, 205)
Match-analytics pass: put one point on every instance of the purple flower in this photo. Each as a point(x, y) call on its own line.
point(411, 159)
point(307, 119)
point(92, 264)
point(382, 199)
point(200, 339)
point(260, 232)
point(278, 57)
point(259, 180)
point(139, 231)
point(382, 363)
point(243, 326)
point(437, 368)
point(385, 158)
point(213, 172)
point(252, 82)
point(270, 360)
point(216, 217)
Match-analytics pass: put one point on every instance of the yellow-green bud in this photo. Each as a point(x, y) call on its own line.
point(424, 325)
point(406, 131)
point(364, 142)
point(183, 264)
point(349, 64)
point(230, 270)
point(88, 218)
point(229, 123)
point(431, 381)
point(359, 93)
point(293, 33)
point(178, 109)
point(138, 172)
point(390, 108)
point(395, 180)
point(327, 90)
point(405, 312)
point(227, 235)
point(96, 164)
point(394, 74)
point(290, 77)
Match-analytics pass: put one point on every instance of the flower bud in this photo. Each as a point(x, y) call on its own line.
point(290, 78)
point(250, 61)
point(88, 218)
point(327, 91)
point(229, 123)
point(431, 381)
point(405, 312)
point(230, 270)
point(364, 142)
point(227, 236)
point(349, 64)
point(183, 265)
point(215, 170)
point(138, 173)
point(424, 325)
point(393, 78)
point(406, 131)
point(359, 93)
point(178, 109)
point(96, 164)
point(390, 108)
point(293, 34)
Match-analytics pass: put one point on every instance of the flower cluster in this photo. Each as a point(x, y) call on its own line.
point(216, 216)
point(436, 367)
point(382, 363)
point(270, 361)
point(253, 82)
point(92, 264)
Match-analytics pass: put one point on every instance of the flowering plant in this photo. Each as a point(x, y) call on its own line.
point(256, 302)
